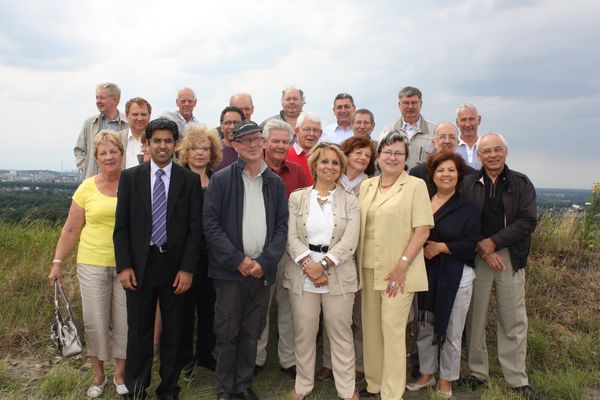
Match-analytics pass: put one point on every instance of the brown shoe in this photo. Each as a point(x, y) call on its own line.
point(359, 377)
point(296, 396)
point(325, 374)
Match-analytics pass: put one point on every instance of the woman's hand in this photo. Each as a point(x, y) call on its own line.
point(433, 249)
point(313, 270)
point(396, 279)
point(55, 274)
point(321, 281)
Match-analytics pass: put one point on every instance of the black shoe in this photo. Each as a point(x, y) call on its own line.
point(526, 392)
point(169, 397)
point(366, 394)
point(225, 396)
point(291, 371)
point(207, 362)
point(470, 383)
point(257, 369)
point(247, 394)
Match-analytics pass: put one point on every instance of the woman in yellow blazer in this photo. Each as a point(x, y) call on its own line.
point(394, 224)
point(323, 232)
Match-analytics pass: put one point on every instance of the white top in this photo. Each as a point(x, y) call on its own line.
point(468, 277)
point(254, 226)
point(319, 229)
point(336, 134)
point(134, 147)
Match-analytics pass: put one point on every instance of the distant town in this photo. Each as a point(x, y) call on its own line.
point(40, 188)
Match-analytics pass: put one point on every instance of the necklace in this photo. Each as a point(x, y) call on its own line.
point(382, 186)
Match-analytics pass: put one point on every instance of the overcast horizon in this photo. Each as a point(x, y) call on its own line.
point(531, 67)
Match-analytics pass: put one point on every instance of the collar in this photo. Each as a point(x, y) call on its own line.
point(297, 148)
point(461, 142)
point(154, 168)
point(118, 119)
point(415, 125)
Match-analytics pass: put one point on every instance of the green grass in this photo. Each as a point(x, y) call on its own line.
point(563, 303)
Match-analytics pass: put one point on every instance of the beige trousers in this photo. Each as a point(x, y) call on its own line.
point(384, 339)
point(104, 312)
point(337, 317)
point(358, 340)
point(511, 324)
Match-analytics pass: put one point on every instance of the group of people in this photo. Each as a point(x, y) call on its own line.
point(364, 234)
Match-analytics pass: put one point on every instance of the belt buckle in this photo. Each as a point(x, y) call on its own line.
point(162, 248)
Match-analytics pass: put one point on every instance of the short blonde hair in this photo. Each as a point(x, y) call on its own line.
point(196, 132)
point(315, 153)
point(105, 136)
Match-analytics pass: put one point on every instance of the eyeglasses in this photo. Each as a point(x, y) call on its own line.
point(487, 151)
point(231, 122)
point(392, 154)
point(203, 149)
point(250, 141)
point(165, 141)
point(413, 103)
point(360, 153)
point(313, 130)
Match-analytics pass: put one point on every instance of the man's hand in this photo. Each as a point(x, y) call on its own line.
point(183, 281)
point(257, 270)
point(485, 247)
point(128, 279)
point(246, 266)
point(495, 261)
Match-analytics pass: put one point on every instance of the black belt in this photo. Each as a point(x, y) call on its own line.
point(161, 249)
point(319, 248)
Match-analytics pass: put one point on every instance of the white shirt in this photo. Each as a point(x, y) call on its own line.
point(297, 148)
point(469, 154)
point(336, 134)
point(134, 147)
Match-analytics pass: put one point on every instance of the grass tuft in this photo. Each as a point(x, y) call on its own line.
point(62, 382)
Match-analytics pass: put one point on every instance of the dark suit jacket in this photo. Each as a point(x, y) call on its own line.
point(133, 225)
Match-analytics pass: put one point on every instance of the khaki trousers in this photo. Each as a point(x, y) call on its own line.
point(337, 317)
point(384, 339)
point(358, 339)
point(104, 311)
point(511, 324)
point(285, 323)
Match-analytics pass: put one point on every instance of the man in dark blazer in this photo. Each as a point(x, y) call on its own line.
point(158, 238)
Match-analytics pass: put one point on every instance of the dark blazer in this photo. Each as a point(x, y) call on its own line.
point(133, 225)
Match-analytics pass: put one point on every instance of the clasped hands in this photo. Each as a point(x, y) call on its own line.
point(315, 272)
point(250, 267)
point(486, 249)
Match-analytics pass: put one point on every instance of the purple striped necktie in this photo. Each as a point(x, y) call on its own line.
point(159, 210)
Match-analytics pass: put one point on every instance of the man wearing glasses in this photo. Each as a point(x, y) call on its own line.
point(417, 129)
point(308, 132)
point(245, 222)
point(230, 117)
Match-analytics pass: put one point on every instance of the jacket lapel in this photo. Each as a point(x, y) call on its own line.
point(174, 187)
point(144, 186)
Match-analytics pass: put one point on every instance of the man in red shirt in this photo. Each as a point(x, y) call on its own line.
point(308, 131)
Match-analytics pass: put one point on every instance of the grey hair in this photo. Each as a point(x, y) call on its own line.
point(276, 124)
point(409, 91)
point(246, 95)
point(467, 106)
point(445, 123)
point(393, 137)
point(311, 116)
point(287, 89)
point(498, 135)
point(112, 89)
point(186, 88)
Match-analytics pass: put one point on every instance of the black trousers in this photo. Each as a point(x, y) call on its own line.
point(240, 315)
point(141, 309)
point(199, 313)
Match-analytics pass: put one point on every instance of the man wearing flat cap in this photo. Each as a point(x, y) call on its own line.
point(245, 211)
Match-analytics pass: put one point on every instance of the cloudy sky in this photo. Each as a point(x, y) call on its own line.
point(532, 67)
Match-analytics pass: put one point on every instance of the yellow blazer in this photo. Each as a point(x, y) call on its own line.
point(343, 278)
point(403, 207)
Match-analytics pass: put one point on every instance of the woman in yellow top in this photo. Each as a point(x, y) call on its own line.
point(91, 219)
point(395, 221)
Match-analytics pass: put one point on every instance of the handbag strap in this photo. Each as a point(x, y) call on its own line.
point(59, 289)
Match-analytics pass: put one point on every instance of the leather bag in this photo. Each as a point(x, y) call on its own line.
point(65, 333)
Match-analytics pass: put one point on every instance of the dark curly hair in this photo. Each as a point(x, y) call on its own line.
point(439, 157)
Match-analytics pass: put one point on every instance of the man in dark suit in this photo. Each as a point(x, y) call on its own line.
point(158, 239)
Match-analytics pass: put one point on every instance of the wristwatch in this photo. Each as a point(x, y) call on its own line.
point(324, 264)
point(405, 259)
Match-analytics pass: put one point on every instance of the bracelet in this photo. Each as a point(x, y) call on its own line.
point(306, 262)
point(57, 261)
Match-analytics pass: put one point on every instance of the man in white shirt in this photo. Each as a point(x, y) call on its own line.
point(343, 109)
point(417, 129)
point(468, 121)
point(138, 112)
point(184, 115)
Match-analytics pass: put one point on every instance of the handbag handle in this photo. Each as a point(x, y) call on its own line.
point(59, 289)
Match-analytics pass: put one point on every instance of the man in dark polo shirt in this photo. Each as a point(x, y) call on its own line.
point(507, 202)
point(277, 134)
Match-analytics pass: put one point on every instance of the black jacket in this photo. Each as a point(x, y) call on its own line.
point(133, 224)
point(520, 211)
point(222, 218)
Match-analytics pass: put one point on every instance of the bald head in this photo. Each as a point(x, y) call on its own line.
point(445, 137)
point(243, 101)
point(186, 102)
